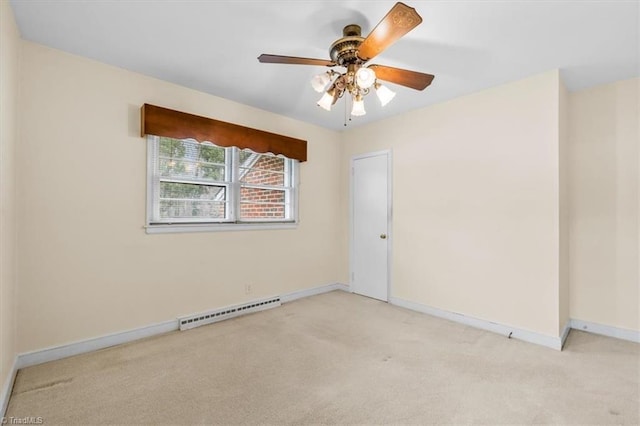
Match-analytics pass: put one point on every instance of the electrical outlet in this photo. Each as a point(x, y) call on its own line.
point(247, 289)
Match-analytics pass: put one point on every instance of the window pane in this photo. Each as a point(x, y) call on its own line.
point(182, 209)
point(245, 155)
point(256, 203)
point(183, 200)
point(189, 169)
point(261, 177)
point(262, 211)
point(190, 159)
point(261, 169)
point(261, 195)
point(211, 153)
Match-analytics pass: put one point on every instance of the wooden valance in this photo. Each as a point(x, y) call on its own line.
point(160, 121)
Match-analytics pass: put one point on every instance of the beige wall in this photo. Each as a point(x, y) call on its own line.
point(9, 65)
point(476, 202)
point(87, 266)
point(604, 204)
point(564, 164)
point(479, 181)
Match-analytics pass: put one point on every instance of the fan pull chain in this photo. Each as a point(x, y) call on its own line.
point(345, 112)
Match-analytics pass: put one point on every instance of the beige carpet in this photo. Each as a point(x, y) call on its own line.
point(337, 358)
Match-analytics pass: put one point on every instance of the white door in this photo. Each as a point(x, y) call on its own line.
point(370, 207)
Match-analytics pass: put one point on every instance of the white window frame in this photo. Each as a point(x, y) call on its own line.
point(233, 189)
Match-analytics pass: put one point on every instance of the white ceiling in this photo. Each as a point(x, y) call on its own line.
point(212, 46)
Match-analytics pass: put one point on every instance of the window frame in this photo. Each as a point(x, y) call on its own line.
point(233, 201)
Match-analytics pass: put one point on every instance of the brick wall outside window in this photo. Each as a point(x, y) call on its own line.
point(252, 199)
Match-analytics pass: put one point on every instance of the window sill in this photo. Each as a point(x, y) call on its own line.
point(217, 227)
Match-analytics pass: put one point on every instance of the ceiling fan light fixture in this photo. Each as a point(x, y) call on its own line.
point(358, 106)
point(365, 77)
point(353, 52)
point(384, 94)
point(328, 99)
point(321, 81)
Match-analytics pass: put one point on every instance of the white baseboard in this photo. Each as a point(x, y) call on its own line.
point(295, 295)
point(7, 387)
point(606, 330)
point(565, 333)
point(505, 330)
point(84, 346)
point(76, 348)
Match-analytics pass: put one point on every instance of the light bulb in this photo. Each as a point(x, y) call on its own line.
point(365, 78)
point(358, 106)
point(384, 94)
point(326, 101)
point(319, 82)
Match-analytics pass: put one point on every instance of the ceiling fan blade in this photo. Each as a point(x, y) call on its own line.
point(294, 60)
point(412, 79)
point(400, 20)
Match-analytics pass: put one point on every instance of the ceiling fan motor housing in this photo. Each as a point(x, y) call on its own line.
point(344, 50)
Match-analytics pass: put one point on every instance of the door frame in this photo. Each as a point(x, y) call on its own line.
point(389, 154)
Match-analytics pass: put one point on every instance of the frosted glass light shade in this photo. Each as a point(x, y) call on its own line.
point(384, 94)
point(358, 107)
point(319, 82)
point(365, 78)
point(326, 101)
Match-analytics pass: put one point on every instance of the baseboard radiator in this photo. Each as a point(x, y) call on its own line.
point(204, 318)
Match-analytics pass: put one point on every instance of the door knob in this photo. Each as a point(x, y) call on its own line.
point(383, 236)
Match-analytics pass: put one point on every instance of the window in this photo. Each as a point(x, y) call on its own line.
point(200, 186)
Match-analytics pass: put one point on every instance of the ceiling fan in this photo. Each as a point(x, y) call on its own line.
point(353, 51)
